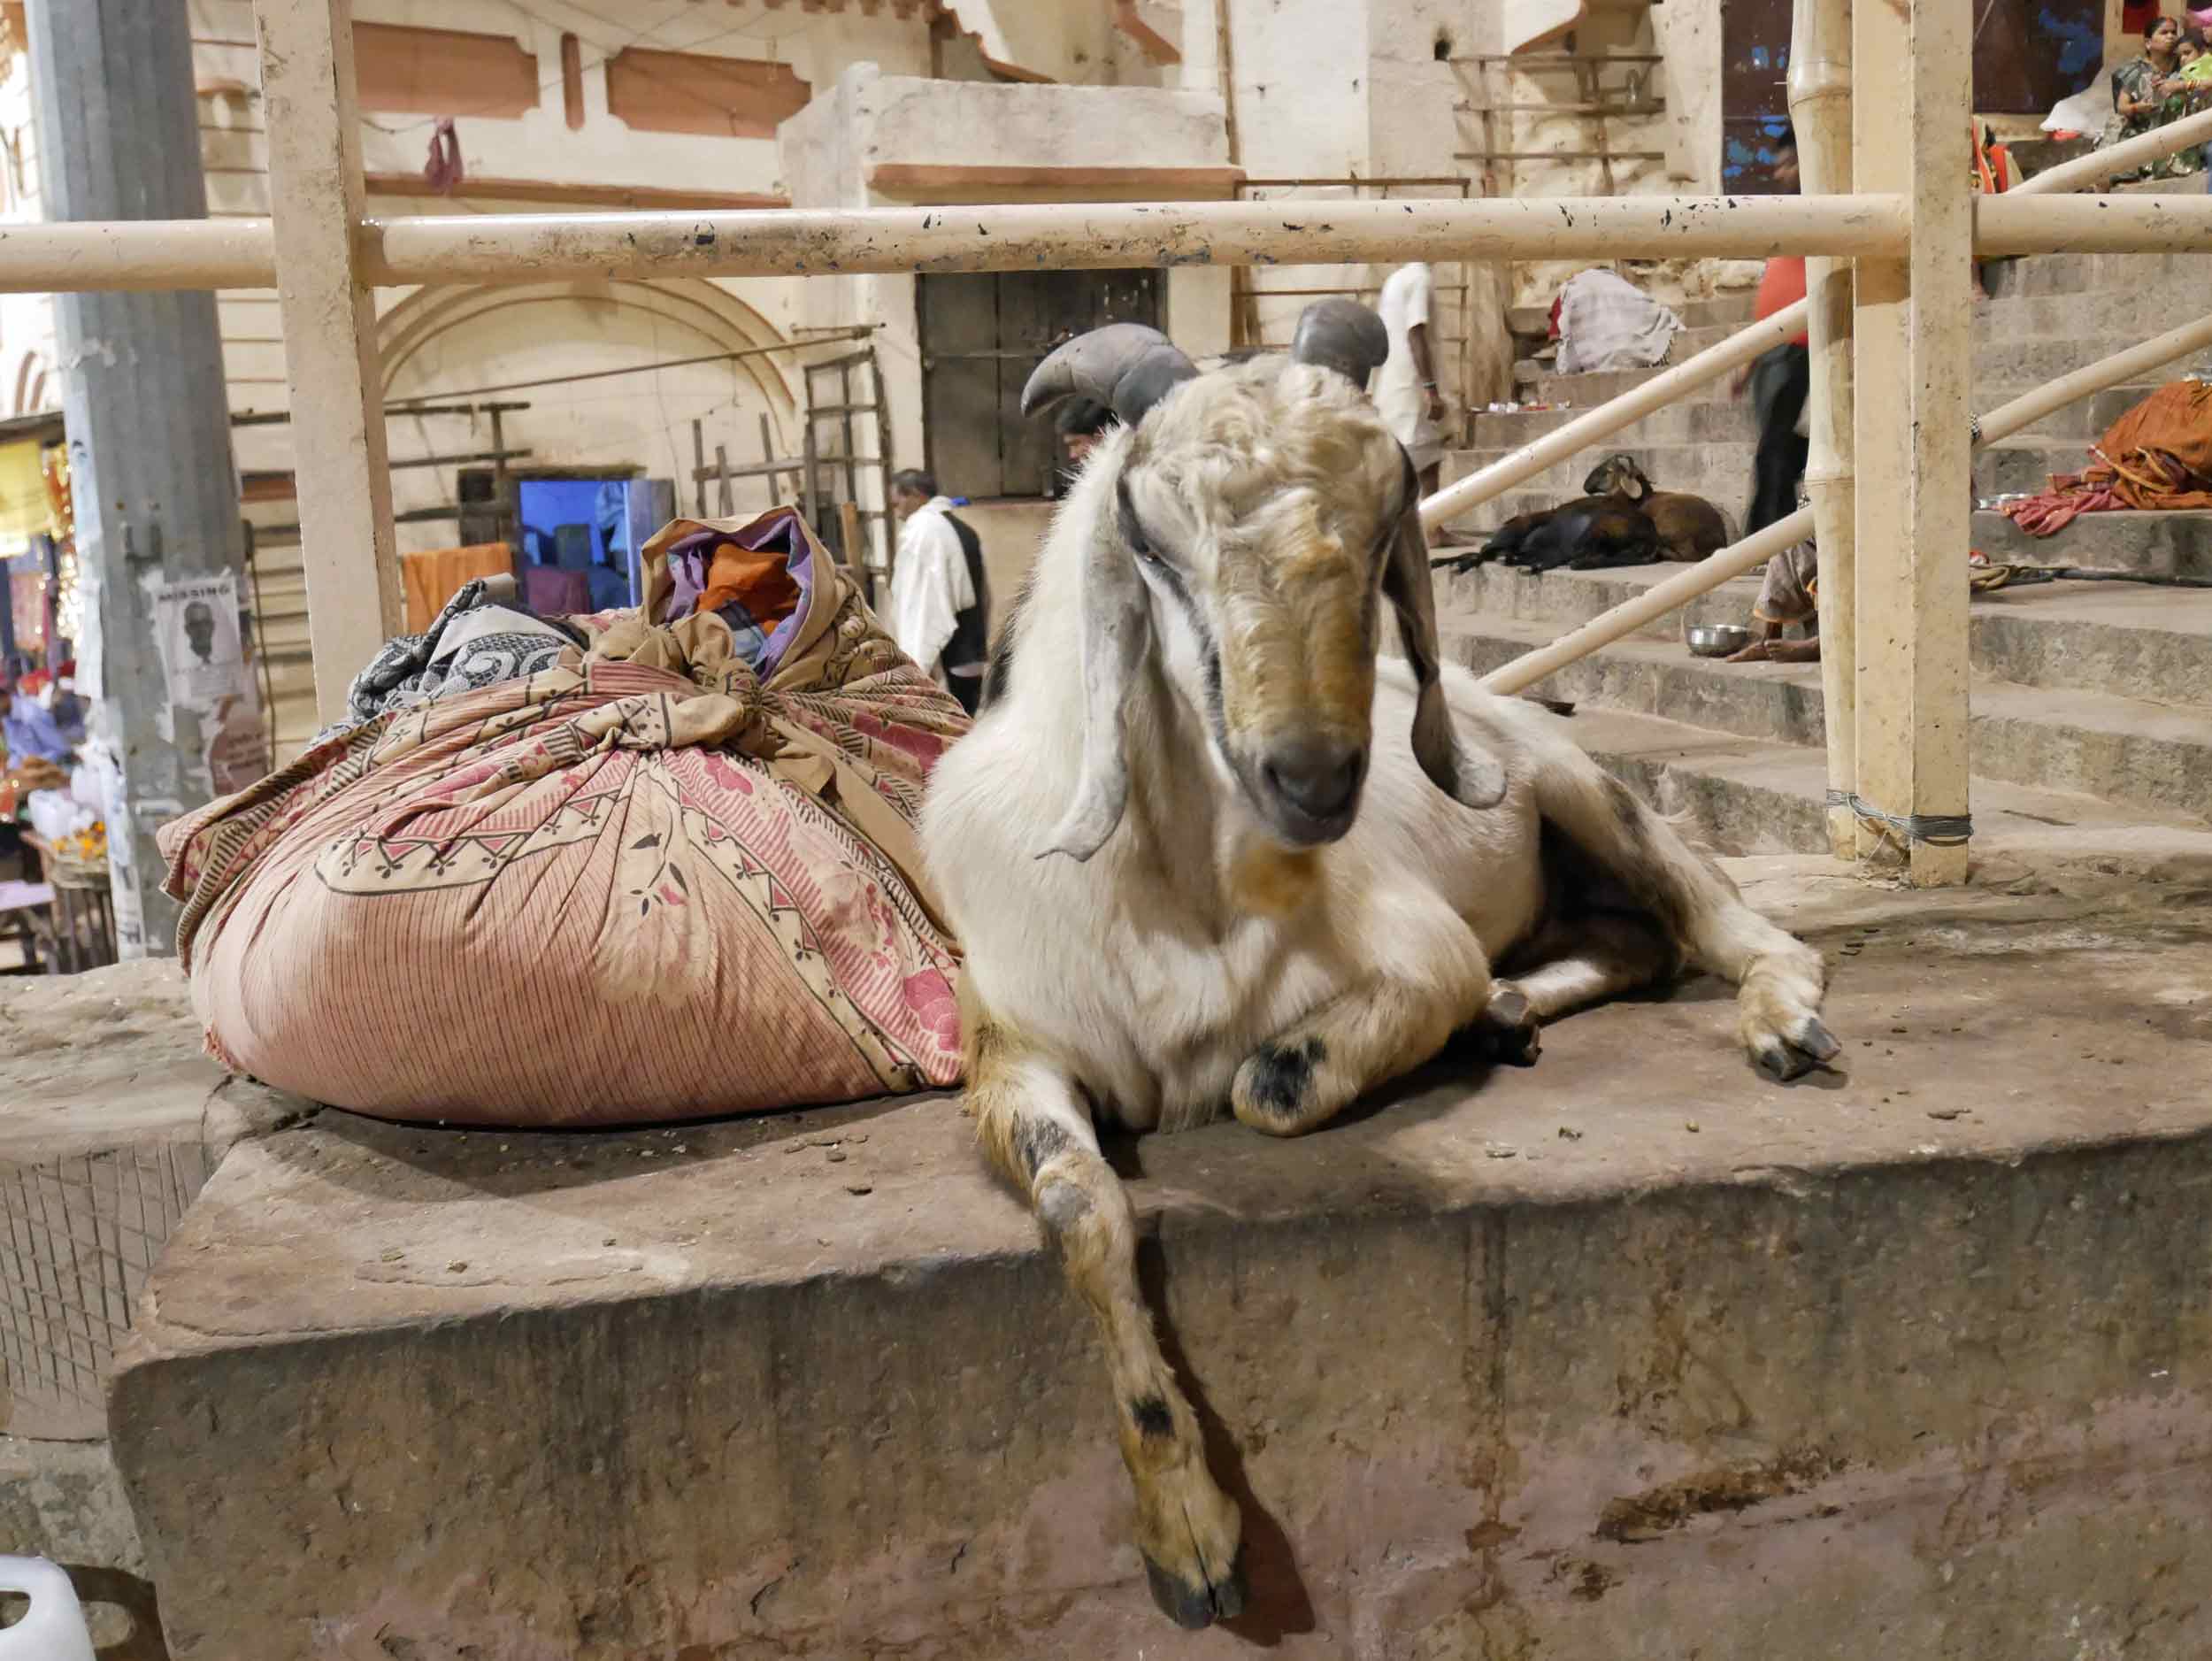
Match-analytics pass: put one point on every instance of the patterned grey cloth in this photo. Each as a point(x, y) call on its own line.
point(460, 651)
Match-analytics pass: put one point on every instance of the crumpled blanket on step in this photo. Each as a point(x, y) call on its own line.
point(2158, 455)
point(1607, 322)
point(638, 884)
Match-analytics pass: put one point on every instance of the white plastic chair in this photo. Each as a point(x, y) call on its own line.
point(54, 1630)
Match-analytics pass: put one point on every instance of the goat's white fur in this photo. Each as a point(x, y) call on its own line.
point(1144, 979)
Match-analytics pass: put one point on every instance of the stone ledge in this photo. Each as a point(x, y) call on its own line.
point(1927, 1347)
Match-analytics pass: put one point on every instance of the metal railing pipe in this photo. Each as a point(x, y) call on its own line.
point(2005, 227)
point(801, 242)
point(66, 256)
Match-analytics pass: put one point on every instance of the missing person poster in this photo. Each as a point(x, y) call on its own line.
point(202, 654)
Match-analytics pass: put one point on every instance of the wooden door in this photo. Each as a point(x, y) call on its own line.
point(981, 336)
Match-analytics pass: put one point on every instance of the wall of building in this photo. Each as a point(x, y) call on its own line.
point(1321, 89)
point(26, 320)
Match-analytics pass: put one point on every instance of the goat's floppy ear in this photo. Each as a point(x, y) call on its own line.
point(1467, 775)
point(1117, 630)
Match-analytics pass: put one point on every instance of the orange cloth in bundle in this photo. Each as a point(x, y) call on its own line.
point(432, 578)
point(757, 581)
point(2158, 455)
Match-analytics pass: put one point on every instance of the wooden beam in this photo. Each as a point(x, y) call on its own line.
point(402, 69)
point(1130, 19)
point(1820, 109)
point(330, 356)
point(475, 187)
point(698, 93)
point(1914, 316)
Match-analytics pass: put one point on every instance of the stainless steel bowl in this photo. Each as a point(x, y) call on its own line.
point(1716, 640)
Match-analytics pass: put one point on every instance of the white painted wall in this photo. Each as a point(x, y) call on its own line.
point(26, 320)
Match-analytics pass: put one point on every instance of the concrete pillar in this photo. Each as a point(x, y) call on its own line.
point(1912, 132)
point(149, 420)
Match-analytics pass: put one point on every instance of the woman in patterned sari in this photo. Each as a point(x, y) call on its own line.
point(2148, 92)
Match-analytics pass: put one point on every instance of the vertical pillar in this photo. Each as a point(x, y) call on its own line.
point(1911, 124)
point(1820, 109)
point(315, 198)
point(155, 489)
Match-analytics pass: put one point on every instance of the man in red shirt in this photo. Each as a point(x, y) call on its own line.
point(1780, 381)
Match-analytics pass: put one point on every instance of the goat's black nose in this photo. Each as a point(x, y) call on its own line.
point(1317, 776)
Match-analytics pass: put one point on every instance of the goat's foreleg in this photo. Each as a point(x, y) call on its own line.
point(1037, 1129)
point(1361, 1038)
point(1780, 979)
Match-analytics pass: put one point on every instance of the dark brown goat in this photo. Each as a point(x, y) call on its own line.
point(1689, 526)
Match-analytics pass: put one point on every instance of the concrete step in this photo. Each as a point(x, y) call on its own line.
point(1721, 471)
point(2167, 544)
point(2177, 279)
point(1997, 362)
point(1499, 1364)
point(2154, 644)
point(1743, 796)
point(1698, 422)
point(2103, 744)
point(2137, 312)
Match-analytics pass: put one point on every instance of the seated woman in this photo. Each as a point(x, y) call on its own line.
point(2148, 92)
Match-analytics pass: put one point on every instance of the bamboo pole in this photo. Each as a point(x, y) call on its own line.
point(1820, 109)
point(1734, 561)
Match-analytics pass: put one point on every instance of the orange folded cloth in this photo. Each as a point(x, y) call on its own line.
point(432, 578)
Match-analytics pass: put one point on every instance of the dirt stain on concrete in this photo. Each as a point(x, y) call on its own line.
point(1734, 1488)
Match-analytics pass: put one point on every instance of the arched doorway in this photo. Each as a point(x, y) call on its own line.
point(443, 343)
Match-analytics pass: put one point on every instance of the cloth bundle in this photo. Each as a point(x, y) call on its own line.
point(640, 880)
point(2158, 455)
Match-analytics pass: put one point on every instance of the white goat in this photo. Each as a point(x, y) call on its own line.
point(1241, 907)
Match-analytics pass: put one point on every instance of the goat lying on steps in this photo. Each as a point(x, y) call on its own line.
point(1203, 849)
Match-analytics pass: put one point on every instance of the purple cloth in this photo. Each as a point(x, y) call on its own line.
point(551, 592)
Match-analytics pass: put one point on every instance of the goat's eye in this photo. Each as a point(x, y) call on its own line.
point(1143, 550)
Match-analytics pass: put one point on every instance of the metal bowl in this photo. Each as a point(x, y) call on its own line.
point(1716, 640)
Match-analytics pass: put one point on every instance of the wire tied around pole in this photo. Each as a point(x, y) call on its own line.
point(1938, 830)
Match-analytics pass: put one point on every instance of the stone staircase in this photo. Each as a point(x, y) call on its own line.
point(2091, 702)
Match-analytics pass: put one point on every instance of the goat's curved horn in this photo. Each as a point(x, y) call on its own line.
point(1125, 366)
point(1343, 336)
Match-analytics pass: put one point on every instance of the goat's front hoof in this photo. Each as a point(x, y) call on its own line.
point(1506, 1032)
point(1808, 1046)
point(1194, 1604)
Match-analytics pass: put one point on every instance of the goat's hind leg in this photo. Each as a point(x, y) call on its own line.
point(1037, 1130)
point(1779, 980)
